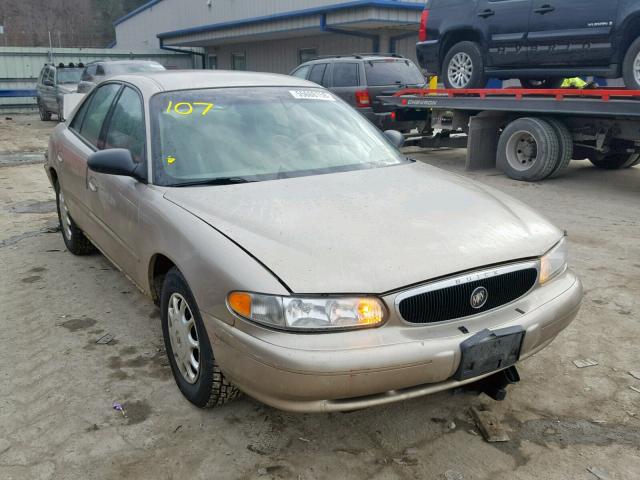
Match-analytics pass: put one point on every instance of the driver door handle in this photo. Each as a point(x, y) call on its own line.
point(93, 185)
point(545, 9)
point(486, 13)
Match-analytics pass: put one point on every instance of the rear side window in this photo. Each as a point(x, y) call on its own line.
point(126, 127)
point(392, 72)
point(345, 75)
point(317, 73)
point(302, 72)
point(97, 112)
point(100, 70)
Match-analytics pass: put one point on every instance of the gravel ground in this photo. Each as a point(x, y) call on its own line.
point(58, 386)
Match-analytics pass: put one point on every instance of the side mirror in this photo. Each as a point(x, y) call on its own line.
point(48, 83)
point(395, 137)
point(114, 161)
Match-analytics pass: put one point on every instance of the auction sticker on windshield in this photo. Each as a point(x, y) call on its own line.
point(312, 95)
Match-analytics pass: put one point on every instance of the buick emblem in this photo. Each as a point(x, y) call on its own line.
point(479, 298)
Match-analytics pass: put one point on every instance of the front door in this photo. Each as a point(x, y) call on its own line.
point(572, 32)
point(80, 141)
point(504, 25)
point(114, 199)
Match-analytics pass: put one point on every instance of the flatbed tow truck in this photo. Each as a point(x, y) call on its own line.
point(529, 134)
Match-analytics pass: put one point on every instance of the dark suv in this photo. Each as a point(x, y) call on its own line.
point(538, 41)
point(359, 79)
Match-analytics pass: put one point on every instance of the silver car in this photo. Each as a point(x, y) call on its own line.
point(296, 255)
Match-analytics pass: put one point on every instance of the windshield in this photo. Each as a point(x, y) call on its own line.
point(69, 75)
point(120, 69)
point(392, 72)
point(264, 133)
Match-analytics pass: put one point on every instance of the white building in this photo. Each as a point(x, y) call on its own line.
point(271, 35)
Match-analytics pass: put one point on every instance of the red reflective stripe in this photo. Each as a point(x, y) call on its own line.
point(603, 93)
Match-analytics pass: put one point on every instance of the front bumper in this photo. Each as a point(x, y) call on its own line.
point(352, 370)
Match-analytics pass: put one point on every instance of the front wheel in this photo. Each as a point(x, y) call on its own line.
point(193, 364)
point(463, 67)
point(631, 66)
point(42, 110)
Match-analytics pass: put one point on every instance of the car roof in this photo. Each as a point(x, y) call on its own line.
point(122, 62)
point(169, 80)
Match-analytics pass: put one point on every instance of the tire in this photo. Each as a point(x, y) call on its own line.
point(182, 324)
point(615, 161)
point(528, 149)
point(565, 141)
point(464, 59)
point(44, 115)
point(74, 239)
point(552, 82)
point(631, 66)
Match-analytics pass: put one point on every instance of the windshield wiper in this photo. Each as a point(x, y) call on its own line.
point(214, 181)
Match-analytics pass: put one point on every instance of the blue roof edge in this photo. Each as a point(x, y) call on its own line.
point(135, 12)
point(278, 16)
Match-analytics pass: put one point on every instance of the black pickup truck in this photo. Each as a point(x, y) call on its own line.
point(539, 42)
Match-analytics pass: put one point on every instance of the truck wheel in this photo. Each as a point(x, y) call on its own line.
point(631, 66)
point(552, 82)
point(528, 149)
point(615, 161)
point(565, 141)
point(463, 66)
point(193, 364)
point(44, 115)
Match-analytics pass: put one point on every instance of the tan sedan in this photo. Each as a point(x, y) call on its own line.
point(294, 252)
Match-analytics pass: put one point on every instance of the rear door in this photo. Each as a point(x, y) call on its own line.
point(113, 199)
point(387, 76)
point(572, 32)
point(345, 81)
point(504, 25)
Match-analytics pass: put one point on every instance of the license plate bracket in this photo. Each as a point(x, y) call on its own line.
point(488, 351)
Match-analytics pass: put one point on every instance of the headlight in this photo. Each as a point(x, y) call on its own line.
point(307, 313)
point(554, 261)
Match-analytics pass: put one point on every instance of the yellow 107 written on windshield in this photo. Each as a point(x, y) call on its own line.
point(189, 108)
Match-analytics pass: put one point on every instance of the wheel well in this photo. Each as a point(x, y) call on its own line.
point(456, 36)
point(158, 268)
point(631, 32)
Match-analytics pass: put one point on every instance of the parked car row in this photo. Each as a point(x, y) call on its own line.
point(57, 80)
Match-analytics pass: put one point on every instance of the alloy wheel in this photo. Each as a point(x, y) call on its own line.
point(460, 70)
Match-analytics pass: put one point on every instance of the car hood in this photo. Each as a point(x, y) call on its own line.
point(370, 231)
point(68, 88)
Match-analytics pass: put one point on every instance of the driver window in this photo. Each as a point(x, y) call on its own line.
point(97, 111)
point(126, 127)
